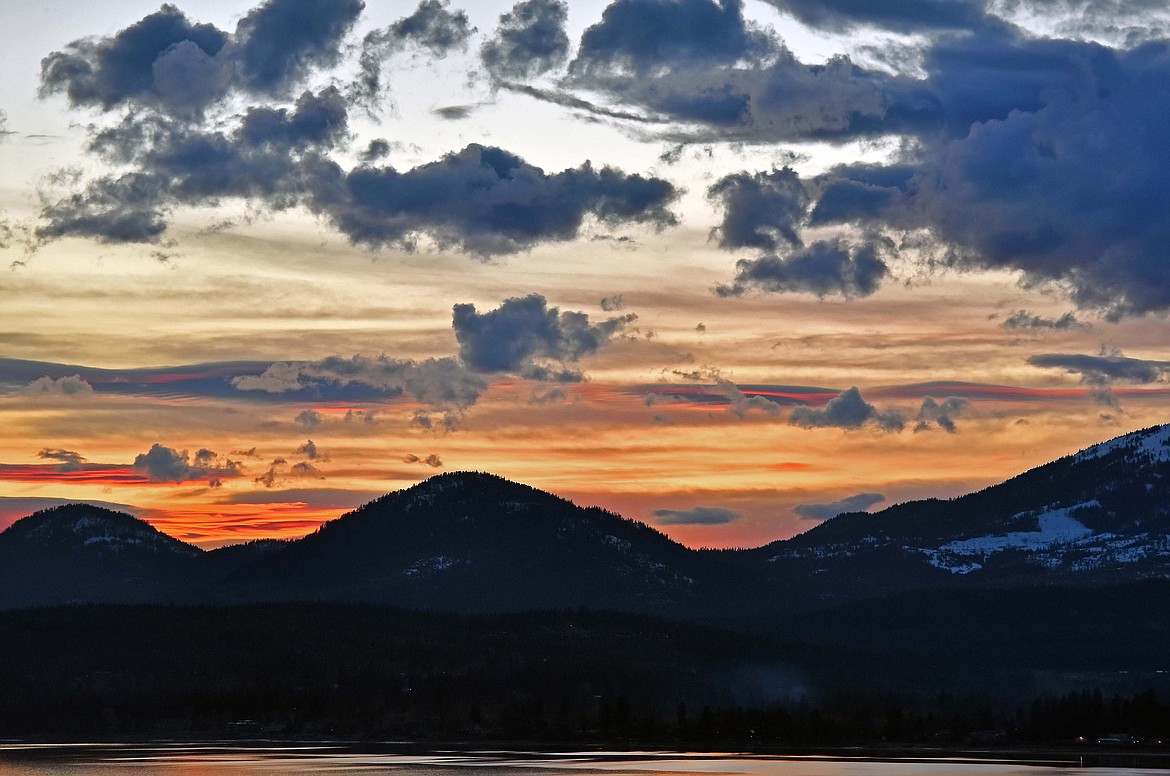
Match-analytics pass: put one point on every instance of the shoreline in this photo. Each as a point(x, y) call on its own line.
point(520, 753)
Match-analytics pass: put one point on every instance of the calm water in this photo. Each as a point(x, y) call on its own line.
point(212, 760)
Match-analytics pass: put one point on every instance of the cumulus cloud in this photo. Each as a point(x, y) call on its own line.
point(72, 385)
point(307, 418)
point(305, 470)
point(310, 451)
point(487, 201)
point(940, 413)
point(1049, 166)
point(525, 336)
point(432, 460)
point(718, 78)
point(183, 142)
point(644, 35)
point(433, 27)
point(438, 422)
point(109, 72)
point(739, 403)
point(762, 210)
point(825, 268)
point(696, 516)
point(167, 62)
point(264, 158)
point(69, 460)
point(767, 211)
point(166, 464)
point(906, 16)
point(859, 503)
point(847, 410)
point(281, 41)
point(1021, 152)
point(436, 381)
point(1022, 320)
point(529, 41)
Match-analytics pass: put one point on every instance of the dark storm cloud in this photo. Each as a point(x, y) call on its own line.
point(736, 82)
point(168, 62)
point(272, 157)
point(488, 201)
point(525, 336)
point(1035, 154)
point(482, 199)
point(319, 119)
point(1022, 320)
point(826, 268)
point(379, 148)
point(642, 35)
point(859, 503)
point(762, 210)
point(529, 41)
point(940, 413)
point(174, 150)
point(432, 27)
point(848, 410)
point(1103, 367)
point(1050, 161)
point(135, 64)
point(165, 464)
point(696, 516)
point(282, 40)
point(904, 16)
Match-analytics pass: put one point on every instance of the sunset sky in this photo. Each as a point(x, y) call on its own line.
point(725, 268)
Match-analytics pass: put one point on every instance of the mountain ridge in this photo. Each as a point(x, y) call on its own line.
point(477, 542)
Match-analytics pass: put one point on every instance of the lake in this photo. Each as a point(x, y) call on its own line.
point(301, 760)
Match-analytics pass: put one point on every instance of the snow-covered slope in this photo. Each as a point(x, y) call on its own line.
point(1101, 515)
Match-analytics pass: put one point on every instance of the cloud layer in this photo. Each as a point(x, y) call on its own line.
point(858, 503)
point(696, 516)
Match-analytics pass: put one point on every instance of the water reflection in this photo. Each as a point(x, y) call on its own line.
point(303, 760)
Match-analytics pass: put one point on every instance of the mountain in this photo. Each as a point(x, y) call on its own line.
point(83, 553)
point(1100, 516)
point(470, 542)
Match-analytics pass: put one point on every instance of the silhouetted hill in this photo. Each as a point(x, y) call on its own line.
point(471, 542)
point(82, 553)
point(1101, 516)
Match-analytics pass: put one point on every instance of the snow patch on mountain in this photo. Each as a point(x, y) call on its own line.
point(431, 565)
point(1057, 528)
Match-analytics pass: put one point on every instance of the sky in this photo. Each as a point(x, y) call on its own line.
point(727, 268)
